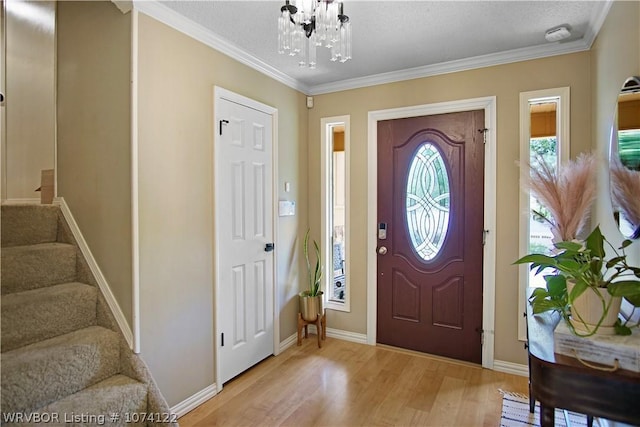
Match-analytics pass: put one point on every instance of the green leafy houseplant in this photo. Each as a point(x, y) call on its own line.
point(587, 266)
point(315, 274)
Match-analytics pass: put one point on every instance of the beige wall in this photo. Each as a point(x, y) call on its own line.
point(30, 97)
point(94, 160)
point(176, 76)
point(615, 55)
point(505, 82)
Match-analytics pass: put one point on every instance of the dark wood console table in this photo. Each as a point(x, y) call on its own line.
point(558, 381)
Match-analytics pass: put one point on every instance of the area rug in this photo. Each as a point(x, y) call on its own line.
point(515, 413)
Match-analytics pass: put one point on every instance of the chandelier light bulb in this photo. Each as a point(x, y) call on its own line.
point(307, 24)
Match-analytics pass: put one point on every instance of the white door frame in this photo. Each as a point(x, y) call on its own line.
point(488, 104)
point(218, 95)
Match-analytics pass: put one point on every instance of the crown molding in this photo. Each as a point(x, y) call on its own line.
point(173, 19)
point(196, 31)
point(482, 61)
point(124, 6)
point(515, 55)
point(597, 20)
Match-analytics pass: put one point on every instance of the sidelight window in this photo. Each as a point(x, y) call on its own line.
point(335, 211)
point(544, 135)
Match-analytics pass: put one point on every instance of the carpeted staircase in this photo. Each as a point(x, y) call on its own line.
point(62, 352)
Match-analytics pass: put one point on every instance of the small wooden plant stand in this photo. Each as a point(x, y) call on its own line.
point(321, 327)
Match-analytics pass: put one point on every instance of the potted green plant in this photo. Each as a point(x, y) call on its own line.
point(583, 269)
point(311, 299)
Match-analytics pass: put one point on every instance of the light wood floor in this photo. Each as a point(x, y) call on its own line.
point(348, 384)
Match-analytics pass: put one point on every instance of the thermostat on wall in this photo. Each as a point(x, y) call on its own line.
point(286, 208)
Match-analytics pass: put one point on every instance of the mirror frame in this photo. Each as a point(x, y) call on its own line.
point(624, 181)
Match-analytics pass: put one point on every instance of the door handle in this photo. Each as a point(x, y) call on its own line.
point(269, 247)
point(382, 250)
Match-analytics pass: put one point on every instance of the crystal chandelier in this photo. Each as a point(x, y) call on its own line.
point(307, 24)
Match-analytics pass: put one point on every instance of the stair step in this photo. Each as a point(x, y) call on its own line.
point(39, 314)
point(36, 266)
point(29, 224)
point(41, 373)
point(111, 402)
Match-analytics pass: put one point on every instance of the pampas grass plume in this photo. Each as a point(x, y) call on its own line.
point(625, 190)
point(567, 194)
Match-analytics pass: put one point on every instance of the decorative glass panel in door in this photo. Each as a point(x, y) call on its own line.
point(427, 201)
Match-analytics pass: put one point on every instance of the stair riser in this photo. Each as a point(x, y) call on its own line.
point(29, 224)
point(28, 317)
point(32, 267)
point(65, 365)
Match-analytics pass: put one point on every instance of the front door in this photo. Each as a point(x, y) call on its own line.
point(430, 234)
point(244, 206)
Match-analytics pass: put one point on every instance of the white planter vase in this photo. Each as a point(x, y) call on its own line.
point(587, 311)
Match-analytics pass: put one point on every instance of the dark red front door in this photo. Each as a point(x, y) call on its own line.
point(430, 202)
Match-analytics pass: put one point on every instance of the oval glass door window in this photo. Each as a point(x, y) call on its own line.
point(427, 201)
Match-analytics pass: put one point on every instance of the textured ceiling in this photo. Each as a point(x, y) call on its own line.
point(393, 40)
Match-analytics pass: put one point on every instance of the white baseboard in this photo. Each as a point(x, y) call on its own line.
point(194, 401)
point(97, 273)
point(347, 336)
point(288, 342)
point(511, 368)
point(333, 333)
point(342, 335)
